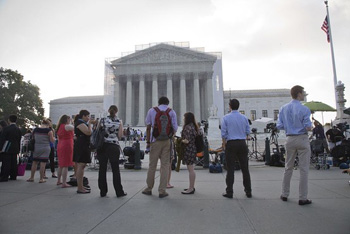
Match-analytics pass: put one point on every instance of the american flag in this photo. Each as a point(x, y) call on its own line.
point(325, 27)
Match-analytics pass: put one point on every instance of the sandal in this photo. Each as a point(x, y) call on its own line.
point(170, 186)
point(42, 181)
point(30, 180)
point(82, 192)
point(58, 183)
point(66, 185)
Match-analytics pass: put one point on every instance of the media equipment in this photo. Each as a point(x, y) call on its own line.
point(255, 153)
point(277, 158)
point(206, 126)
point(271, 127)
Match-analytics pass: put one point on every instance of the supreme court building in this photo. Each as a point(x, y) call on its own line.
point(190, 78)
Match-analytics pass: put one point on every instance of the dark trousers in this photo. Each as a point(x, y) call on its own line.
point(9, 166)
point(52, 159)
point(109, 152)
point(237, 150)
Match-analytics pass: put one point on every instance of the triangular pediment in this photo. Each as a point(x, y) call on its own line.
point(164, 53)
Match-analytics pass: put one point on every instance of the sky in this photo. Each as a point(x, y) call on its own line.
point(61, 45)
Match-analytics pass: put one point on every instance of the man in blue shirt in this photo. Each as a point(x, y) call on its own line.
point(294, 118)
point(234, 132)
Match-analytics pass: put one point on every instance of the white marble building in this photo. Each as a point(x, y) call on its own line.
point(190, 78)
point(256, 104)
point(72, 105)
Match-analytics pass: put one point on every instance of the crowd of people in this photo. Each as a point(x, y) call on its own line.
point(73, 148)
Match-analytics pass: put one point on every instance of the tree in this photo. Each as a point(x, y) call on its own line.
point(20, 98)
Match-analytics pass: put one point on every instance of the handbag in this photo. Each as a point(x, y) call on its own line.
point(199, 142)
point(97, 138)
point(21, 169)
point(31, 144)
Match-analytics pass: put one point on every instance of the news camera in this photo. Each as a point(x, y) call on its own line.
point(342, 126)
point(271, 127)
point(254, 130)
point(206, 126)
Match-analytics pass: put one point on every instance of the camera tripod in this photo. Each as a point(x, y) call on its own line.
point(255, 153)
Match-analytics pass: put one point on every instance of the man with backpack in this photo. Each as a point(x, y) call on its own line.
point(162, 121)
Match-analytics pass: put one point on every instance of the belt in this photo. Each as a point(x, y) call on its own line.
point(236, 140)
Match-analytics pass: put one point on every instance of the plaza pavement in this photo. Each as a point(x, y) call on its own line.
point(47, 208)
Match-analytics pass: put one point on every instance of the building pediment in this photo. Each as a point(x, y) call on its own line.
point(163, 53)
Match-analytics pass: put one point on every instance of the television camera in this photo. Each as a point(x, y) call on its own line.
point(205, 125)
point(271, 127)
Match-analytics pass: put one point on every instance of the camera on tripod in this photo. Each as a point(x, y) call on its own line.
point(342, 126)
point(271, 127)
point(206, 126)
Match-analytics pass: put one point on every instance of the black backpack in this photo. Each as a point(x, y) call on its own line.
point(199, 142)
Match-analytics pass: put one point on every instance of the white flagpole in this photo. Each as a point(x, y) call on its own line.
point(333, 60)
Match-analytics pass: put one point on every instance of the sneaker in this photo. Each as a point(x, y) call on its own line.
point(147, 192)
point(304, 202)
point(165, 194)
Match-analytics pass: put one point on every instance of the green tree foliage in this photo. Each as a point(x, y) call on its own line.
point(20, 98)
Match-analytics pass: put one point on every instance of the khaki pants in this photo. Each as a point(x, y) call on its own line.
point(297, 145)
point(159, 150)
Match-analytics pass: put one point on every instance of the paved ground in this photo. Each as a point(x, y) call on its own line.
point(47, 208)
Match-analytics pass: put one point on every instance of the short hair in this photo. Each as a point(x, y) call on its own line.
point(295, 90)
point(163, 101)
point(3, 123)
point(113, 107)
point(234, 104)
point(13, 118)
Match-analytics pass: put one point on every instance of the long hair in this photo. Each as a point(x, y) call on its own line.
point(63, 119)
point(189, 118)
point(45, 121)
point(76, 117)
point(83, 113)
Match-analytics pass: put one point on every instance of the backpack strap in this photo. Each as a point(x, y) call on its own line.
point(168, 111)
point(156, 109)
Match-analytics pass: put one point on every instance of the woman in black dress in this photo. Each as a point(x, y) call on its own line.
point(82, 129)
point(189, 133)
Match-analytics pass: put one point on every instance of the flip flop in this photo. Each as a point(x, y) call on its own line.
point(169, 186)
point(42, 181)
point(58, 183)
point(30, 180)
point(82, 192)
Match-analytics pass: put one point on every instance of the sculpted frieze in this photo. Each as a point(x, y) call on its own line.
point(164, 55)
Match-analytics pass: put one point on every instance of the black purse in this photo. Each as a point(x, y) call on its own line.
point(97, 137)
point(31, 144)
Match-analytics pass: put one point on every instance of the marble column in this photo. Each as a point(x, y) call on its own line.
point(116, 92)
point(128, 114)
point(182, 96)
point(209, 91)
point(169, 88)
point(154, 90)
point(196, 98)
point(142, 101)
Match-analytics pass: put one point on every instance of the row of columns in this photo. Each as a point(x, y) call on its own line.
point(169, 93)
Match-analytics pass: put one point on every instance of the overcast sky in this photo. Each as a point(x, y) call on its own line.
point(61, 45)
